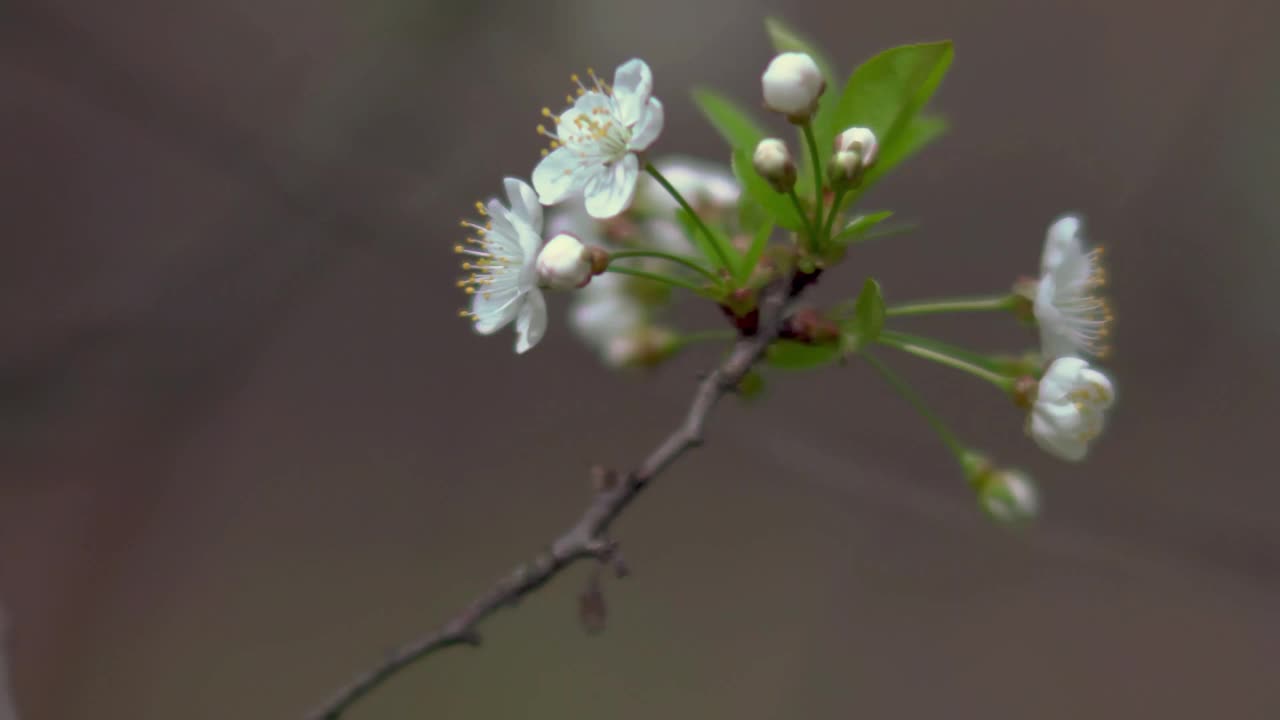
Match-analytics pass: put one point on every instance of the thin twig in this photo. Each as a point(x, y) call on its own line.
point(588, 537)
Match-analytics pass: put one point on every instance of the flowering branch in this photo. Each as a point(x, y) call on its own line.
point(588, 537)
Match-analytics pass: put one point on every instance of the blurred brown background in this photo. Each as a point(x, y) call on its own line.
point(246, 444)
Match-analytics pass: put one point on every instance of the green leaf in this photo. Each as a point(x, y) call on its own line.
point(751, 386)
point(752, 257)
point(887, 91)
point(792, 355)
point(869, 313)
point(859, 226)
point(732, 122)
point(777, 205)
point(919, 132)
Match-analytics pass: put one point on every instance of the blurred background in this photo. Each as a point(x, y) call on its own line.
point(246, 445)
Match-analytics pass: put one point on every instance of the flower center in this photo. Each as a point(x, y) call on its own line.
point(1086, 313)
point(594, 134)
point(493, 261)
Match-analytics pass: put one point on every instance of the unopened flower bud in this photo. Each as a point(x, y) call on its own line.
point(860, 140)
point(1008, 496)
point(844, 168)
point(1070, 408)
point(773, 161)
point(564, 263)
point(792, 84)
point(599, 259)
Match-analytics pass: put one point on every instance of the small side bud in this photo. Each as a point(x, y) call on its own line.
point(564, 263)
point(773, 162)
point(860, 140)
point(1009, 496)
point(855, 152)
point(792, 85)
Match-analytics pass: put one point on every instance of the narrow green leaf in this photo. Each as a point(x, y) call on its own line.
point(751, 386)
point(792, 355)
point(777, 205)
point(869, 314)
point(733, 123)
point(859, 226)
point(752, 257)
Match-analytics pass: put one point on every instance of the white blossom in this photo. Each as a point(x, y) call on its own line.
point(564, 263)
point(1070, 408)
point(710, 188)
point(609, 318)
point(792, 84)
point(1074, 317)
point(502, 261)
point(596, 141)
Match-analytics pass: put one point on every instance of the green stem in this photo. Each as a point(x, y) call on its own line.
point(951, 305)
point(711, 237)
point(940, 356)
point(817, 179)
point(686, 262)
point(657, 277)
point(808, 228)
point(705, 336)
point(831, 219)
point(911, 396)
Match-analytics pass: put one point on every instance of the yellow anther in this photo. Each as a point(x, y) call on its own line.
point(545, 152)
point(480, 208)
point(568, 99)
point(573, 78)
point(542, 130)
point(458, 249)
point(555, 144)
point(581, 92)
point(466, 266)
point(470, 290)
point(464, 314)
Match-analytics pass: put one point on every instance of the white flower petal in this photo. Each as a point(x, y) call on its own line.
point(1062, 239)
point(648, 126)
point(632, 86)
point(524, 203)
point(531, 324)
point(610, 192)
point(556, 178)
point(495, 310)
point(1055, 442)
